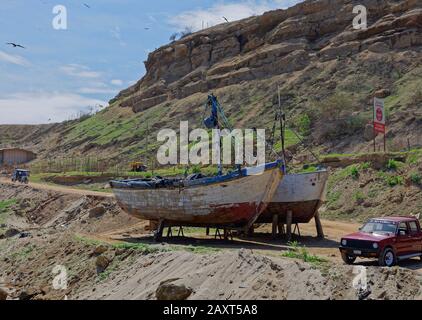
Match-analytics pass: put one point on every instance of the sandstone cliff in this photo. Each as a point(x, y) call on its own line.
point(278, 42)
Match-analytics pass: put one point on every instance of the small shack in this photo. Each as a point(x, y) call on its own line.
point(15, 156)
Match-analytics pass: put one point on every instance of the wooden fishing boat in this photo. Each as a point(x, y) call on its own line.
point(301, 194)
point(232, 201)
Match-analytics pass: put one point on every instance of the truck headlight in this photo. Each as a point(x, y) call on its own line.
point(344, 242)
point(375, 245)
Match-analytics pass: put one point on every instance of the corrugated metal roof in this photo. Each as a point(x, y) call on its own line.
point(16, 149)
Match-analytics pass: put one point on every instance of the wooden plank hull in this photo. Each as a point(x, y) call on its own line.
point(302, 194)
point(235, 203)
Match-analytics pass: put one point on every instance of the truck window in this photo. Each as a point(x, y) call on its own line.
point(403, 227)
point(413, 227)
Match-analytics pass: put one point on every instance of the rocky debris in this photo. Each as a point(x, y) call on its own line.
point(28, 294)
point(3, 294)
point(11, 233)
point(170, 290)
point(382, 93)
point(102, 263)
point(96, 212)
point(100, 250)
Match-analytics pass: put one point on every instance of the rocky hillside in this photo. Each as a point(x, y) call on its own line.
point(327, 72)
point(278, 42)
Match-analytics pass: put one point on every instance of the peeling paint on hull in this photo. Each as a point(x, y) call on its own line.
point(302, 194)
point(235, 203)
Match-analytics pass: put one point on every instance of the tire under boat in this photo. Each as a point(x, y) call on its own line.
point(232, 201)
point(301, 193)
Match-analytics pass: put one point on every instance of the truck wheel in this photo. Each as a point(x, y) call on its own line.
point(387, 258)
point(348, 259)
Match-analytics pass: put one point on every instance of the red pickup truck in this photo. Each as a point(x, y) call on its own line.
point(388, 239)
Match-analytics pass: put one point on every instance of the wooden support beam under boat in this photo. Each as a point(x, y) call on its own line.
point(158, 236)
point(318, 224)
point(251, 231)
point(281, 230)
point(289, 220)
point(275, 226)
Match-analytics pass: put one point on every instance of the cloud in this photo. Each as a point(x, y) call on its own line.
point(39, 107)
point(116, 82)
point(196, 19)
point(117, 35)
point(14, 59)
point(88, 90)
point(79, 71)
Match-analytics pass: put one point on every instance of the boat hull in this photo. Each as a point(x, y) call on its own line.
point(235, 203)
point(302, 194)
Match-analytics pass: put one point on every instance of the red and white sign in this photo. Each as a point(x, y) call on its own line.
point(379, 115)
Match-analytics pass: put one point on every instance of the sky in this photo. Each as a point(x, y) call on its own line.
point(62, 72)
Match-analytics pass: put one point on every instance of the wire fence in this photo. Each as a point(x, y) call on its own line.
point(80, 164)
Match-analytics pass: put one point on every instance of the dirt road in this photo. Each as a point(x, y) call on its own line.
point(138, 231)
point(68, 190)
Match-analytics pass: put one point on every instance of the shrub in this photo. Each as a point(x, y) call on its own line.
point(336, 117)
point(297, 252)
point(196, 169)
point(365, 165)
point(304, 124)
point(359, 197)
point(186, 32)
point(335, 106)
point(333, 197)
point(392, 165)
point(416, 178)
point(393, 181)
point(354, 172)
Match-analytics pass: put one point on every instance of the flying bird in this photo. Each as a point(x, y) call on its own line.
point(225, 19)
point(146, 28)
point(15, 45)
point(86, 5)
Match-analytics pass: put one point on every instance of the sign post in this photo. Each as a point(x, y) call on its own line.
point(379, 120)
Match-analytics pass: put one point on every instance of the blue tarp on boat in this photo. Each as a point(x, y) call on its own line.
point(195, 180)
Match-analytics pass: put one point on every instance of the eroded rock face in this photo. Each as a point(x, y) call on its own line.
point(277, 42)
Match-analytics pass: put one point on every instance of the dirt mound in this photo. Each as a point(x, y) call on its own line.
point(32, 209)
point(244, 275)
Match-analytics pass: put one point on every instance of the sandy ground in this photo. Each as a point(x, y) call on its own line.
point(67, 228)
point(244, 274)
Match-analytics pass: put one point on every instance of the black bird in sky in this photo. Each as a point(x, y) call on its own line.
point(225, 19)
point(15, 45)
point(86, 5)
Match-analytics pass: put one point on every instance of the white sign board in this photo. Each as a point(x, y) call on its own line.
point(379, 115)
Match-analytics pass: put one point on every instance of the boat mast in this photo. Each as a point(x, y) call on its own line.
point(282, 119)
